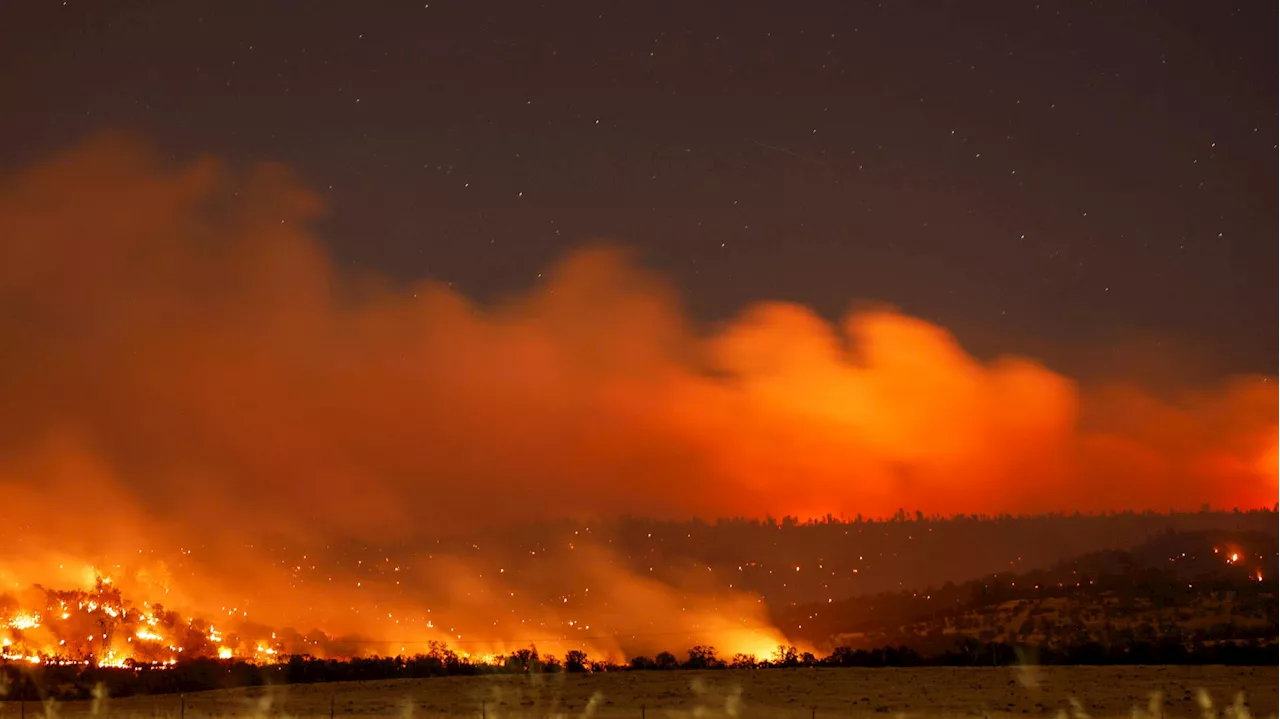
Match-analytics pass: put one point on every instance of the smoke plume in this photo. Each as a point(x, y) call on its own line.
point(180, 356)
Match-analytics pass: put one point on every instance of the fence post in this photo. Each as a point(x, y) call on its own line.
point(641, 711)
point(484, 711)
point(182, 707)
point(331, 700)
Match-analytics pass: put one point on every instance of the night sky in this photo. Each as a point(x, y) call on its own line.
point(283, 280)
point(1088, 183)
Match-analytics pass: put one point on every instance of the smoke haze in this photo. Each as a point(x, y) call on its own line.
point(180, 357)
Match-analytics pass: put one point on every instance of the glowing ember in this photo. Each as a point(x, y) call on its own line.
point(99, 626)
point(24, 620)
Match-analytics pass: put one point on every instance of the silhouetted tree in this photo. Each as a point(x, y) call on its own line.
point(524, 660)
point(785, 657)
point(575, 661)
point(641, 663)
point(703, 657)
point(666, 660)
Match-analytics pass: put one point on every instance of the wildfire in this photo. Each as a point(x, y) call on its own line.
point(25, 620)
point(99, 626)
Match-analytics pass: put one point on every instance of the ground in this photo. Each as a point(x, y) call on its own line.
point(781, 694)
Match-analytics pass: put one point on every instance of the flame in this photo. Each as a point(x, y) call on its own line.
point(24, 620)
point(98, 625)
point(296, 398)
point(102, 625)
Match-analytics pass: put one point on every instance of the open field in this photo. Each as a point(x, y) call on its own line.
point(781, 694)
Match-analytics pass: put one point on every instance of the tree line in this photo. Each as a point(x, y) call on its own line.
point(26, 682)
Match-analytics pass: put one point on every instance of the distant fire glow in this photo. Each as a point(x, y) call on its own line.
point(193, 386)
point(83, 626)
point(105, 625)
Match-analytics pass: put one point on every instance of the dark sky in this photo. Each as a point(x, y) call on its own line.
point(1038, 177)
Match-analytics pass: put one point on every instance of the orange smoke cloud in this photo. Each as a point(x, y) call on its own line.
point(181, 354)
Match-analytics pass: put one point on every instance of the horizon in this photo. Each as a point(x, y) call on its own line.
point(451, 322)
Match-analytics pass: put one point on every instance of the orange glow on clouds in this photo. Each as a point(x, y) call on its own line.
point(181, 353)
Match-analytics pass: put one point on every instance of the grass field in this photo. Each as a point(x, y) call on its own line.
point(782, 694)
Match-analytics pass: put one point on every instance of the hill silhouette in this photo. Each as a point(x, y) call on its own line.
point(1191, 587)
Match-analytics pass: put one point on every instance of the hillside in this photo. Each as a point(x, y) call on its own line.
point(1195, 587)
point(785, 561)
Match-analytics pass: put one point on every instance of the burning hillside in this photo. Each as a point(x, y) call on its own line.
point(183, 361)
point(392, 613)
point(101, 627)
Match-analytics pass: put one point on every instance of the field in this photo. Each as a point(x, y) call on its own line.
point(781, 694)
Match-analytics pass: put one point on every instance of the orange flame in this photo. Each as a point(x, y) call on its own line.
point(199, 364)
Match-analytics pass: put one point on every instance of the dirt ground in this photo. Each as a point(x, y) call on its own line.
point(778, 694)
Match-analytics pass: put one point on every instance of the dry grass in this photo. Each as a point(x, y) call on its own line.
point(1058, 692)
